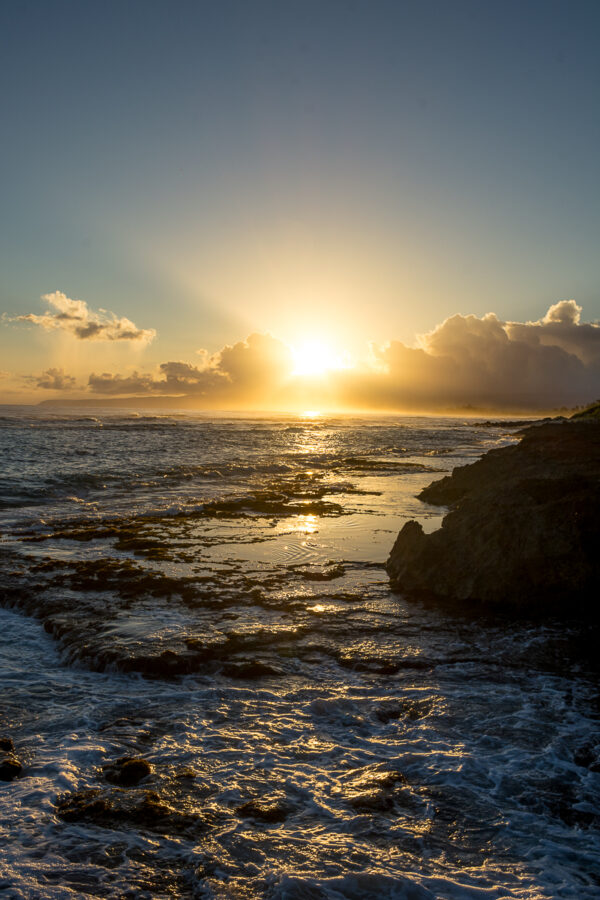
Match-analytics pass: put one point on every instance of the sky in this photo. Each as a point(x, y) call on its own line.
point(315, 188)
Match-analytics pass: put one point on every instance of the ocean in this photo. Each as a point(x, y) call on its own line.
point(207, 593)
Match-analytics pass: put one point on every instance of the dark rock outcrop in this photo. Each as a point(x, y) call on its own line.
point(523, 529)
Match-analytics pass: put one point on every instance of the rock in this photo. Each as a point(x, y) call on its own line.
point(320, 573)
point(374, 801)
point(114, 807)
point(127, 771)
point(374, 791)
point(523, 530)
point(269, 809)
point(7, 745)
point(249, 669)
point(389, 711)
point(394, 709)
point(588, 757)
point(10, 768)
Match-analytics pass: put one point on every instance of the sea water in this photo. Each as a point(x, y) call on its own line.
point(208, 593)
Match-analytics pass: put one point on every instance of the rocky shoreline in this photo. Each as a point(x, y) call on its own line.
point(522, 532)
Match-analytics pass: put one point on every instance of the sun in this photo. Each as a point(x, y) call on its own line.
point(315, 357)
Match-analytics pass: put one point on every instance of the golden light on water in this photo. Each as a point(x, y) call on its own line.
point(307, 524)
point(321, 608)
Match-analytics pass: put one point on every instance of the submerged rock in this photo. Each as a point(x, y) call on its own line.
point(523, 530)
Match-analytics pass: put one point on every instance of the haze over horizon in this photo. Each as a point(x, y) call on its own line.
point(389, 206)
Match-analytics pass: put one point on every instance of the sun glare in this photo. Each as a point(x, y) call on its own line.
point(315, 357)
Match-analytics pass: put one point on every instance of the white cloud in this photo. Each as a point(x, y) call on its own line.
point(567, 312)
point(76, 318)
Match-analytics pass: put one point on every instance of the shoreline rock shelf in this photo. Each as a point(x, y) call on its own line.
point(522, 531)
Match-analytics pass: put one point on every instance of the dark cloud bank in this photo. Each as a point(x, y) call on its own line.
point(465, 361)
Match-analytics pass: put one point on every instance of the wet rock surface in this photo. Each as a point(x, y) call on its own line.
point(523, 529)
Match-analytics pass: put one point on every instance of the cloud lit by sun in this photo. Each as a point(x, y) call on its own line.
point(315, 357)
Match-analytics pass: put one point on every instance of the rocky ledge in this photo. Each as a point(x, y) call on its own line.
point(522, 530)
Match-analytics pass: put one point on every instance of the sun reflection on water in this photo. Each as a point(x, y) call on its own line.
point(319, 608)
point(307, 524)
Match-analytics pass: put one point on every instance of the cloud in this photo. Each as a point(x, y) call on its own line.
point(51, 380)
point(489, 363)
point(261, 359)
point(176, 378)
point(561, 327)
point(248, 371)
point(56, 380)
point(76, 318)
point(466, 360)
point(106, 383)
point(565, 312)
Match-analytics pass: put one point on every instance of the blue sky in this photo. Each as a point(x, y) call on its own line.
point(358, 169)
